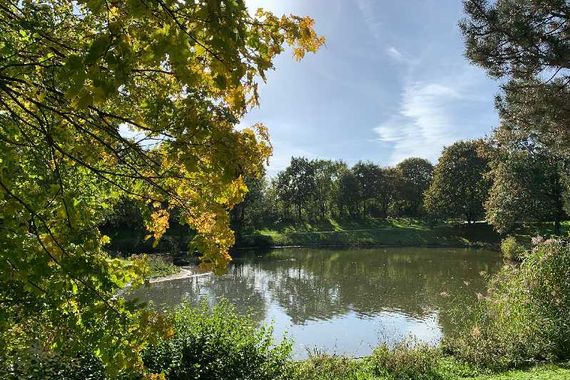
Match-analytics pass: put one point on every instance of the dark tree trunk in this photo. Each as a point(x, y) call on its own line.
point(557, 226)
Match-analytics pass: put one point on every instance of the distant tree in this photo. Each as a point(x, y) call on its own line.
point(348, 193)
point(251, 211)
point(416, 175)
point(526, 43)
point(327, 175)
point(388, 191)
point(459, 187)
point(369, 177)
point(296, 185)
point(527, 185)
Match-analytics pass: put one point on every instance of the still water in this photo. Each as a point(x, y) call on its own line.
point(344, 301)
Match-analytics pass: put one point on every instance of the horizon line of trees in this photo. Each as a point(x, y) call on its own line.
point(503, 183)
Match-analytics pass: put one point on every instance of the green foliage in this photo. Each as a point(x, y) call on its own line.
point(296, 184)
point(327, 175)
point(416, 175)
point(102, 101)
point(524, 318)
point(49, 366)
point(255, 210)
point(375, 232)
point(548, 372)
point(527, 184)
point(407, 362)
point(370, 181)
point(326, 367)
point(310, 191)
point(349, 193)
point(217, 343)
point(512, 250)
point(494, 30)
point(525, 44)
point(157, 266)
point(459, 187)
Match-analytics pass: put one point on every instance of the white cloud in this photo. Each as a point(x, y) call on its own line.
point(394, 53)
point(424, 122)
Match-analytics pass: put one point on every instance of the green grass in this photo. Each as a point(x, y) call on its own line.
point(323, 367)
point(538, 373)
point(370, 232)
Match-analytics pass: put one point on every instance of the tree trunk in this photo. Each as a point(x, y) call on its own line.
point(557, 226)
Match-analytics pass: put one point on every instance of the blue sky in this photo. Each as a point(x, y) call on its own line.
point(391, 83)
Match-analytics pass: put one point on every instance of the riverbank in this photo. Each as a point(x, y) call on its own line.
point(367, 232)
point(411, 367)
point(393, 233)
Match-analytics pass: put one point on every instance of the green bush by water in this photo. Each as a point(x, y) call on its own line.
point(512, 250)
point(158, 266)
point(523, 320)
point(216, 343)
point(525, 317)
point(407, 362)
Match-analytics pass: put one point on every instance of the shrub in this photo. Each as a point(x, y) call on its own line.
point(525, 317)
point(216, 343)
point(407, 362)
point(512, 250)
point(50, 366)
point(157, 266)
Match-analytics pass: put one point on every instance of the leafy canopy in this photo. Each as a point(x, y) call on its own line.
point(416, 175)
point(101, 100)
point(527, 184)
point(525, 43)
point(459, 187)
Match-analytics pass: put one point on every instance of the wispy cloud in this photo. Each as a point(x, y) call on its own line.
point(394, 53)
point(424, 123)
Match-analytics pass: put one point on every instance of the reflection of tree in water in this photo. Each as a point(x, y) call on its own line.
point(238, 286)
point(320, 284)
point(305, 295)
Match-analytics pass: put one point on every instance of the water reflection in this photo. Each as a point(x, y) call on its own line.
point(344, 301)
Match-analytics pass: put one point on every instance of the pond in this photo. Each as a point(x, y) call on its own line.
point(344, 301)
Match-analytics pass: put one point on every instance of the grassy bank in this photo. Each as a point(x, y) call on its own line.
point(218, 343)
point(537, 373)
point(395, 232)
point(423, 364)
point(353, 232)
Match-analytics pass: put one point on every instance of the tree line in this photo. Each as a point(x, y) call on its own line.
point(504, 183)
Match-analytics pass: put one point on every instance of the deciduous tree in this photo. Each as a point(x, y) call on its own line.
point(416, 175)
point(105, 99)
point(296, 184)
point(527, 184)
point(459, 187)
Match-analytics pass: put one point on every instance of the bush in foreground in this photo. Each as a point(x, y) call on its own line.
point(526, 316)
point(512, 250)
point(330, 367)
point(407, 362)
point(217, 343)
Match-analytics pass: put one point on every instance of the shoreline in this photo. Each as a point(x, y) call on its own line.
point(185, 272)
point(476, 245)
